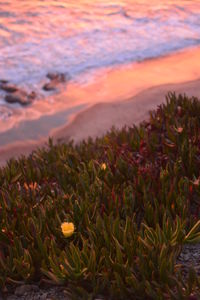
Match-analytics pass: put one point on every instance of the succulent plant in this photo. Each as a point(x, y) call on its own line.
point(132, 197)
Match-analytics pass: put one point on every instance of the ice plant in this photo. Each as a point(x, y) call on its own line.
point(134, 195)
point(67, 229)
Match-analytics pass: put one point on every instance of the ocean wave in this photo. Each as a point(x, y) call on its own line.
point(76, 37)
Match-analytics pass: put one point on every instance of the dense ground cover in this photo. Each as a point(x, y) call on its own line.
point(133, 197)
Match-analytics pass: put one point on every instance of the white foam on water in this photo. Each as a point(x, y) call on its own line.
point(76, 37)
point(81, 37)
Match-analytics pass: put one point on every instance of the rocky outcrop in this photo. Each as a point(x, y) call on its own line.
point(14, 94)
point(20, 97)
point(55, 80)
point(3, 81)
point(61, 77)
point(50, 86)
point(10, 88)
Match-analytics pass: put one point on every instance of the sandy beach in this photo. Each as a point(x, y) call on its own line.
point(96, 120)
point(118, 97)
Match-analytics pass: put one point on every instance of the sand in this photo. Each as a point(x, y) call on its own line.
point(119, 97)
point(99, 118)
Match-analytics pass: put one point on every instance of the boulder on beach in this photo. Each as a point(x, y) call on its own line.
point(20, 97)
point(10, 88)
point(50, 86)
point(60, 77)
point(55, 80)
point(3, 81)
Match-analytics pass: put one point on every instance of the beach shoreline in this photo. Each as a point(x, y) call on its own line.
point(90, 123)
point(120, 97)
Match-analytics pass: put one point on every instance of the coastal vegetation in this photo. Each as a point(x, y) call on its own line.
point(108, 217)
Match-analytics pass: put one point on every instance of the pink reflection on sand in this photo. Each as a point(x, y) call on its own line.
point(114, 85)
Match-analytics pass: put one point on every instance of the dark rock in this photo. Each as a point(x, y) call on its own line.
point(3, 81)
point(10, 88)
point(20, 97)
point(34, 292)
point(55, 80)
point(23, 289)
point(32, 95)
point(50, 86)
point(189, 257)
point(59, 77)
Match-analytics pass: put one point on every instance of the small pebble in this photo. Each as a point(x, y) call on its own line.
point(21, 290)
point(12, 297)
point(44, 296)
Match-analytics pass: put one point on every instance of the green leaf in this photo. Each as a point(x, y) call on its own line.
point(192, 231)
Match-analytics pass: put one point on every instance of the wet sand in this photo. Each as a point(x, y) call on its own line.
point(117, 97)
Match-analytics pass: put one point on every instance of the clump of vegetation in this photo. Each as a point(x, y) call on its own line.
point(131, 199)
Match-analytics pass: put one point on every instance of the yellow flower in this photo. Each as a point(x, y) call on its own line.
point(67, 229)
point(103, 166)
